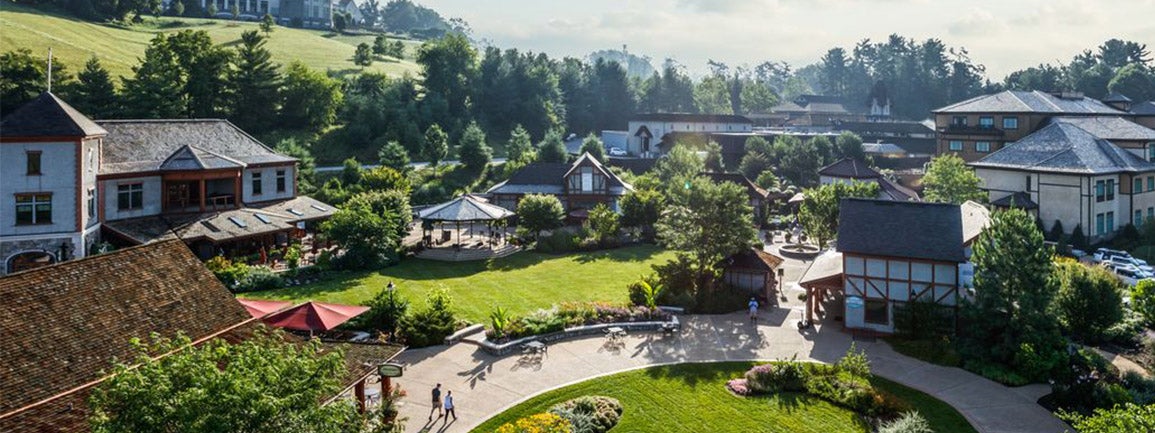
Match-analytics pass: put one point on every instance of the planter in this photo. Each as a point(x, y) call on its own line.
point(799, 251)
point(577, 331)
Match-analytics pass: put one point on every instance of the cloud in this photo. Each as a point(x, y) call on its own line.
point(728, 6)
point(976, 22)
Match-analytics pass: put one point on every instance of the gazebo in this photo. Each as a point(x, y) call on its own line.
point(465, 209)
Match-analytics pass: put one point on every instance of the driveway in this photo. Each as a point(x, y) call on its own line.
point(484, 385)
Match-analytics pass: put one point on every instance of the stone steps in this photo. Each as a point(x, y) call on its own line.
point(465, 255)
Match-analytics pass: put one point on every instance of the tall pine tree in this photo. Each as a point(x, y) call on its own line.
point(156, 89)
point(254, 81)
point(94, 94)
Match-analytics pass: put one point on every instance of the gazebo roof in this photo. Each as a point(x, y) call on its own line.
point(463, 209)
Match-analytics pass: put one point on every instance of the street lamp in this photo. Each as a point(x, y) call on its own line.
point(65, 248)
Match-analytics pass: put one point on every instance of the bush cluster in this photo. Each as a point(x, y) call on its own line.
point(239, 277)
point(567, 314)
point(429, 326)
point(590, 414)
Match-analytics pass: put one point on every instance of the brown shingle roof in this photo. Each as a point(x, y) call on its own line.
point(753, 258)
point(63, 324)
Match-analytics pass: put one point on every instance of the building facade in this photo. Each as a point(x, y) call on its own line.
point(579, 186)
point(649, 135)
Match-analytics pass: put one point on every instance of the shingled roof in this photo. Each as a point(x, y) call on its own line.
point(1065, 148)
point(48, 116)
point(850, 168)
point(690, 117)
point(1110, 127)
point(916, 230)
point(752, 189)
point(66, 322)
point(146, 145)
point(1018, 101)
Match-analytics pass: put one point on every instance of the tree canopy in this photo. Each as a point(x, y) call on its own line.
point(949, 180)
point(538, 212)
point(707, 222)
point(819, 212)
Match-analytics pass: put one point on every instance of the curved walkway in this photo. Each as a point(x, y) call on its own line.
point(484, 385)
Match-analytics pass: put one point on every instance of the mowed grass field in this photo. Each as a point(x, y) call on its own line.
point(74, 41)
point(659, 399)
point(521, 283)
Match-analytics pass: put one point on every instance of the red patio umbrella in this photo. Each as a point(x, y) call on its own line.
point(314, 316)
point(259, 308)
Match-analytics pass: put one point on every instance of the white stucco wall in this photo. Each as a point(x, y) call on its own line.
point(268, 184)
point(659, 129)
point(152, 198)
point(58, 176)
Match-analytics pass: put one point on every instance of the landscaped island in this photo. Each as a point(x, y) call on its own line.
point(654, 400)
point(520, 283)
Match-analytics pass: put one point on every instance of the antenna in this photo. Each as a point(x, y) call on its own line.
point(49, 69)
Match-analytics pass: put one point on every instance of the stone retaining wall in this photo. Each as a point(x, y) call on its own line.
point(577, 331)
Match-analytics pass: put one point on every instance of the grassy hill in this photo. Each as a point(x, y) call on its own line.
point(73, 41)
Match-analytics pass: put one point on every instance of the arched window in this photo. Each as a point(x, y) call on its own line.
point(29, 260)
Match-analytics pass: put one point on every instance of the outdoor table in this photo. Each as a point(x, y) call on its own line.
point(534, 347)
point(615, 333)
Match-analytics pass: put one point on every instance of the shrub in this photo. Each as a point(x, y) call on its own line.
point(499, 319)
point(855, 362)
point(228, 272)
point(738, 386)
point(543, 322)
point(776, 377)
point(909, 422)
point(432, 324)
point(540, 423)
point(259, 278)
point(1124, 418)
point(558, 242)
point(1143, 300)
point(385, 311)
point(996, 372)
point(594, 414)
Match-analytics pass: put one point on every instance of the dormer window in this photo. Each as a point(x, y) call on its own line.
point(587, 180)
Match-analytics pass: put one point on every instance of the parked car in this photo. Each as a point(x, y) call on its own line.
point(1128, 260)
point(617, 151)
point(1102, 254)
point(1130, 276)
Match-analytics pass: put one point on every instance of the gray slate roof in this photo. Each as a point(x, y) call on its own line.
point(917, 230)
point(849, 168)
point(261, 218)
point(889, 189)
point(48, 116)
point(465, 208)
point(549, 178)
point(192, 158)
point(1065, 148)
point(1116, 97)
point(1146, 108)
point(1018, 101)
point(144, 145)
point(1018, 199)
point(1110, 128)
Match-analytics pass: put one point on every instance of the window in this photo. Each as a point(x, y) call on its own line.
point(1028, 182)
point(130, 196)
point(280, 180)
point(92, 202)
point(1099, 224)
point(959, 121)
point(983, 146)
point(33, 163)
point(33, 209)
point(876, 312)
point(1138, 221)
point(1151, 152)
point(1138, 185)
point(1010, 123)
point(1100, 190)
point(91, 160)
point(257, 183)
point(986, 122)
point(956, 145)
point(1150, 212)
point(1110, 222)
point(1110, 189)
point(1151, 183)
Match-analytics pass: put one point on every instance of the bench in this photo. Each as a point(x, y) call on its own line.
point(671, 327)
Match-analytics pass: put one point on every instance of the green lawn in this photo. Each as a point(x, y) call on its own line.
point(521, 283)
point(73, 41)
point(693, 398)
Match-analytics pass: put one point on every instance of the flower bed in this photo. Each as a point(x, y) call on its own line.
point(570, 315)
point(586, 414)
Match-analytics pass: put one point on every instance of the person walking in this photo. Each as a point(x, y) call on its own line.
point(449, 406)
point(753, 310)
point(436, 402)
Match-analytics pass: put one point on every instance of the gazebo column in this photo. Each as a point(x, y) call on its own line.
point(810, 295)
point(359, 394)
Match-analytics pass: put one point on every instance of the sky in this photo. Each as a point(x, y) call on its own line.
point(1003, 35)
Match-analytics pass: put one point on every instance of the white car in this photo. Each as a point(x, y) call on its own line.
point(1131, 261)
point(617, 151)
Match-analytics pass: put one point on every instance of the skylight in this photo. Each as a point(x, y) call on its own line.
point(238, 222)
point(262, 218)
point(296, 212)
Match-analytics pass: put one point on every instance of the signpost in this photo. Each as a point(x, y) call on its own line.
point(387, 371)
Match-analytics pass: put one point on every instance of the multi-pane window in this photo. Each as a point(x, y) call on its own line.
point(92, 202)
point(130, 196)
point(876, 312)
point(1151, 183)
point(956, 145)
point(1100, 190)
point(983, 146)
point(281, 184)
point(1151, 152)
point(1138, 221)
point(1110, 222)
point(1010, 123)
point(33, 209)
point(32, 163)
point(1138, 185)
point(959, 121)
point(1099, 221)
point(257, 184)
point(1110, 189)
point(986, 122)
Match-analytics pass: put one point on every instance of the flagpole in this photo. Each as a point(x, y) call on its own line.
point(49, 69)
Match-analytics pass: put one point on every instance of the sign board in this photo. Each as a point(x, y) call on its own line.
point(854, 302)
point(389, 370)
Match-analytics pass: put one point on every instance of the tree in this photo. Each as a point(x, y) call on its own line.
point(473, 152)
point(641, 208)
point(261, 384)
point(363, 56)
point(394, 155)
point(430, 325)
point(268, 23)
point(94, 94)
point(604, 222)
point(396, 50)
point(23, 77)
point(678, 164)
point(949, 180)
point(351, 171)
point(339, 22)
point(235, 10)
point(1008, 321)
point(1135, 81)
point(385, 309)
point(753, 164)
point(1078, 239)
point(255, 83)
point(593, 146)
point(1129, 417)
point(520, 147)
point(800, 160)
point(538, 212)
point(706, 223)
point(368, 239)
point(819, 212)
point(381, 45)
point(306, 165)
point(849, 145)
point(552, 148)
point(1143, 299)
point(178, 8)
point(448, 67)
point(713, 161)
point(1089, 300)
point(768, 180)
point(436, 145)
point(182, 75)
point(391, 204)
point(385, 179)
point(310, 99)
point(211, 10)
point(155, 91)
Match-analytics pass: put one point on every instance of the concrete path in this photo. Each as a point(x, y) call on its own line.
point(484, 385)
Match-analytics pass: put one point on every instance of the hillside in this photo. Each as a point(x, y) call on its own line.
point(73, 41)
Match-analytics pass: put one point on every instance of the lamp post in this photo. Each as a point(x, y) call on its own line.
point(65, 249)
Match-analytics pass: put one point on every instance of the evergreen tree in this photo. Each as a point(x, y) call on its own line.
point(552, 148)
point(178, 8)
point(593, 146)
point(306, 165)
point(309, 99)
point(363, 56)
point(267, 24)
point(713, 161)
point(94, 94)
point(473, 152)
point(436, 145)
point(254, 82)
point(520, 146)
point(949, 180)
point(155, 90)
point(212, 10)
point(23, 77)
point(394, 155)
